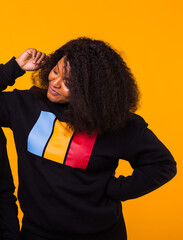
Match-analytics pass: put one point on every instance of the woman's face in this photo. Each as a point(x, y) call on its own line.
point(58, 90)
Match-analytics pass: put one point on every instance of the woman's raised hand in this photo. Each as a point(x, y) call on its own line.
point(31, 59)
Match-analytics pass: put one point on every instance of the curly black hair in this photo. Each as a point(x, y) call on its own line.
point(103, 90)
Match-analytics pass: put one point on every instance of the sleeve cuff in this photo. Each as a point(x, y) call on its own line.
point(113, 187)
point(13, 71)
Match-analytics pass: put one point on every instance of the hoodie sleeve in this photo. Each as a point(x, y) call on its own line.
point(153, 166)
point(9, 72)
point(9, 225)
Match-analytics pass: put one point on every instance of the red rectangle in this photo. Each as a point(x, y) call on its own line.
point(80, 150)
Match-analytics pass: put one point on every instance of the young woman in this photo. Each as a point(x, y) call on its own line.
point(70, 133)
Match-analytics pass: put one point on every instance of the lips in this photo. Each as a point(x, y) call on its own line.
point(53, 92)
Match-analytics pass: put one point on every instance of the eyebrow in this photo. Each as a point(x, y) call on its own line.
point(65, 68)
point(58, 67)
point(66, 78)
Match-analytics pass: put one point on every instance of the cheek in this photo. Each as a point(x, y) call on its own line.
point(67, 93)
point(65, 89)
point(50, 76)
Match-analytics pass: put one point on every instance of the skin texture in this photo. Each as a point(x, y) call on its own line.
point(58, 90)
point(31, 59)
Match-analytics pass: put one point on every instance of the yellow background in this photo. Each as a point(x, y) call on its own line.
point(149, 36)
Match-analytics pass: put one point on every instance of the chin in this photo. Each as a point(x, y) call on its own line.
point(56, 100)
point(51, 98)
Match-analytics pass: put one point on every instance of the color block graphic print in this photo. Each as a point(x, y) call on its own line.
point(80, 150)
point(58, 143)
point(40, 133)
point(50, 139)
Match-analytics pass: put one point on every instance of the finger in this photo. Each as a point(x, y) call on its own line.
point(38, 66)
point(42, 58)
point(38, 55)
point(32, 52)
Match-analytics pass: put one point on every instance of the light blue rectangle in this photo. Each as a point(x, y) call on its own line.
point(40, 133)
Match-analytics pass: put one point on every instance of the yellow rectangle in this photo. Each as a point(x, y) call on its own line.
point(58, 143)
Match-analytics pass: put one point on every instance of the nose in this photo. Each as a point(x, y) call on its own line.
point(56, 83)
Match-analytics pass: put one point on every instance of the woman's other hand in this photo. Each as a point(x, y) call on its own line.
point(31, 59)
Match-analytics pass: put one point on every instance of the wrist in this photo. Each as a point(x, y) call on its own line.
point(20, 63)
point(20, 71)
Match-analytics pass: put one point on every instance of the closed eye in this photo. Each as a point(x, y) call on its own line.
point(55, 71)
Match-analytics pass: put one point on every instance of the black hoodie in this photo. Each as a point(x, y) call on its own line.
point(67, 185)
